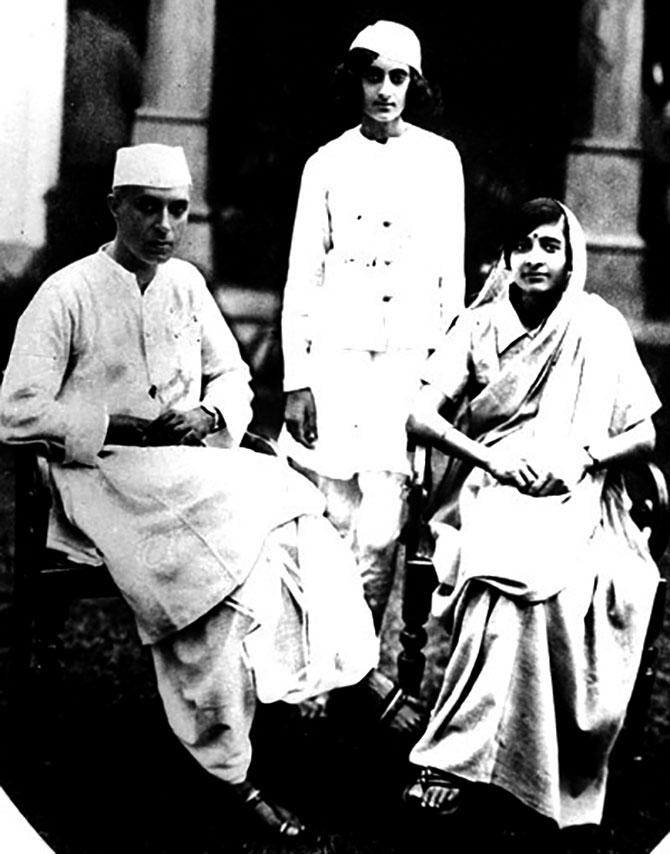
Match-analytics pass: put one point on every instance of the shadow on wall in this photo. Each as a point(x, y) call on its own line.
point(103, 88)
point(103, 78)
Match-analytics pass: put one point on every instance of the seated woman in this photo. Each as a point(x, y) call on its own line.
point(548, 582)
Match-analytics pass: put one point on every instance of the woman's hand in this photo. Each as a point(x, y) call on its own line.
point(560, 474)
point(510, 469)
point(538, 477)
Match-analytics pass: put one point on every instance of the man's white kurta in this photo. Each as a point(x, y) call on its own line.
point(186, 532)
point(179, 527)
point(90, 344)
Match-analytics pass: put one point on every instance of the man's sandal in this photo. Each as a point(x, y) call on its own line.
point(314, 708)
point(277, 820)
point(449, 790)
point(404, 713)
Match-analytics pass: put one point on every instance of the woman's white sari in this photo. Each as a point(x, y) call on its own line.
point(551, 595)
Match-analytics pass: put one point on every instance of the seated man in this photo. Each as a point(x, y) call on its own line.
point(124, 360)
point(547, 582)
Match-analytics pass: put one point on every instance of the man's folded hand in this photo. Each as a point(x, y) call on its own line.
point(175, 427)
point(127, 430)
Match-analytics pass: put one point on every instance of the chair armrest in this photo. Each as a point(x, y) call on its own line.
point(416, 534)
point(648, 490)
point(55, 452)
point(660, 515)
point(45, 448)
point(32, 503)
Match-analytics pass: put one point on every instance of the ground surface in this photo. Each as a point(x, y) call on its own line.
point(95, 769)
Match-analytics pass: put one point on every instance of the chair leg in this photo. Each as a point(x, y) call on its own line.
point(36, 658)
point(631, 739)
point(37, 667)
point(419, 583)
point(47, 657)
point(20, 656)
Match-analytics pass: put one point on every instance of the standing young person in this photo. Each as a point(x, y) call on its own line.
point(375, 278)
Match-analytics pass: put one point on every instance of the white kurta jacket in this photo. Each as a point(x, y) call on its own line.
point(376, 267)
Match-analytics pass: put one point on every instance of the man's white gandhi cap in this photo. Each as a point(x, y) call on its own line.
point(151, 164)
point(394, 41)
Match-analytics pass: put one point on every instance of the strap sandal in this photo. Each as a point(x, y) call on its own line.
point(273, 818)
point(437, 791)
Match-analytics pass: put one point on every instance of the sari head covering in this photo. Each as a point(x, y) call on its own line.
point(516, 393)
point(533, 213)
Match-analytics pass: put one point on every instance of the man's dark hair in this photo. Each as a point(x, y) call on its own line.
point(120, 193)
point(530, 215)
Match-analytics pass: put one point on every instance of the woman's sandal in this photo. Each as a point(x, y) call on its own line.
point(266, 813)
point(450, 787)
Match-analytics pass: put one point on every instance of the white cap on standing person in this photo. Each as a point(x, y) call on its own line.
point(151, 164)
point(394, 41)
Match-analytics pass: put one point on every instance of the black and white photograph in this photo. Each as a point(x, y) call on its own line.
point(334, 442)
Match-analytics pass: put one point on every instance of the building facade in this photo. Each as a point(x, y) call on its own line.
point(245, 89)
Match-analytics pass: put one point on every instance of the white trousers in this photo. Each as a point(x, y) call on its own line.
point(368, 511)
point(208, 692)
point(362, 402)
point(298, 626)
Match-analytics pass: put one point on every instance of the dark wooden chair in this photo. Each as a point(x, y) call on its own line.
point(47, 582)
point(647, 487)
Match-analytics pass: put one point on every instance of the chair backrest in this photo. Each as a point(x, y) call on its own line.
point(648, 490)
point(32, 505)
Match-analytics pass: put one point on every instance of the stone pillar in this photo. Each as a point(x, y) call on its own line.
point(604, 169)
point(32, 68)
point(176, 102)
